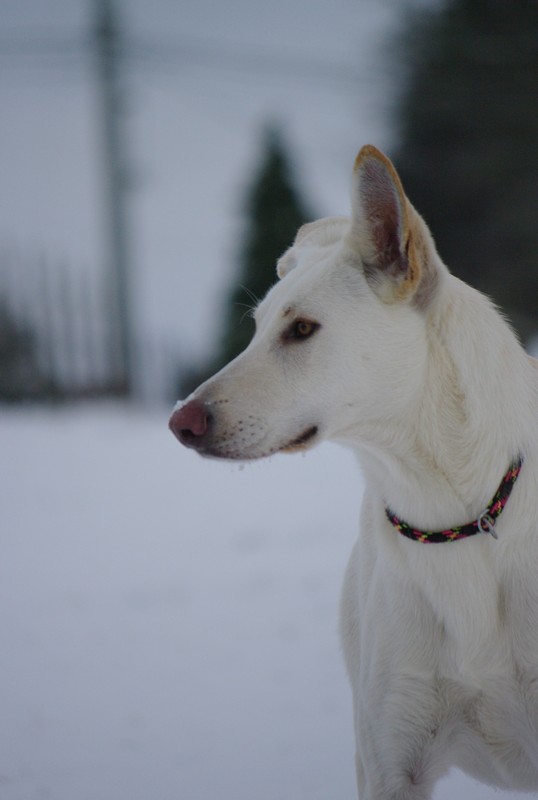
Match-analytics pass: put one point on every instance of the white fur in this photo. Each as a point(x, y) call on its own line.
point(437, 399)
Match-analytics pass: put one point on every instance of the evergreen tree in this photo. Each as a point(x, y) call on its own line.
point(20, 376)
point(468, 122)
point(275, 211)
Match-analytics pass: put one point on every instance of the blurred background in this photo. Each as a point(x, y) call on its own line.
point(156, 158)
point(155, 161)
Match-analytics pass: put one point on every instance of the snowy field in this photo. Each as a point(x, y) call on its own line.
point(168, 624)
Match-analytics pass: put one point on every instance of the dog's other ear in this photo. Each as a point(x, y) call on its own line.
point(382, 227)
point(320, 233)
point(286, 263)
point(289, 260)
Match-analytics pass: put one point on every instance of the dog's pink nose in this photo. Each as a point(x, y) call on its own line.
point(190, 422)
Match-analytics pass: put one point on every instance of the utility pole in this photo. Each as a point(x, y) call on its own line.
point(119, 289)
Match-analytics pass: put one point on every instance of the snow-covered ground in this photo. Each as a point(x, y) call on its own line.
point(168, 625)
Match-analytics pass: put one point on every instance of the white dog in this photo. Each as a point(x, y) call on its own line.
point(368, 340)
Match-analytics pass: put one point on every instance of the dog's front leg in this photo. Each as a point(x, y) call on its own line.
point(402, 740)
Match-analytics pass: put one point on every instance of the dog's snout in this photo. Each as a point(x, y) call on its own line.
point(190, 423)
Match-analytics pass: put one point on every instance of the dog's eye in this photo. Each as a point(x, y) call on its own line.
point(301, 329)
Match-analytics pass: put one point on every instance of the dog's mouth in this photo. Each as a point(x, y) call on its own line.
point(224, 448)
point(301, 441)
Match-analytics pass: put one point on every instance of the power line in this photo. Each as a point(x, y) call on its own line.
point(198, 52)
point(41, 46)
point(191, 52)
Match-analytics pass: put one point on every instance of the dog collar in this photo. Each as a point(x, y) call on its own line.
point(484, 524)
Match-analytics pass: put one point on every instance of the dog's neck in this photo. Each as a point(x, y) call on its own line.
point(468, 423)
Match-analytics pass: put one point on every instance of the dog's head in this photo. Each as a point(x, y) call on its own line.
point(340, 342)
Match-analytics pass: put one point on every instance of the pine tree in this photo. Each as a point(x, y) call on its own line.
point(20, 376)
point(274, 212)
point(468, 121)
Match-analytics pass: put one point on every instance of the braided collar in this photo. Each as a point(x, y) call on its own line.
point(484, 524)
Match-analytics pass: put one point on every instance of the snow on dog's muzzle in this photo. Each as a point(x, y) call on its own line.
point(191, 424)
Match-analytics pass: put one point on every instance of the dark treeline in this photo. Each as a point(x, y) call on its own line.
point(467, 124)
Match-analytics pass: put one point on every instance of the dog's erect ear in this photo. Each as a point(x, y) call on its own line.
point(382, 227)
